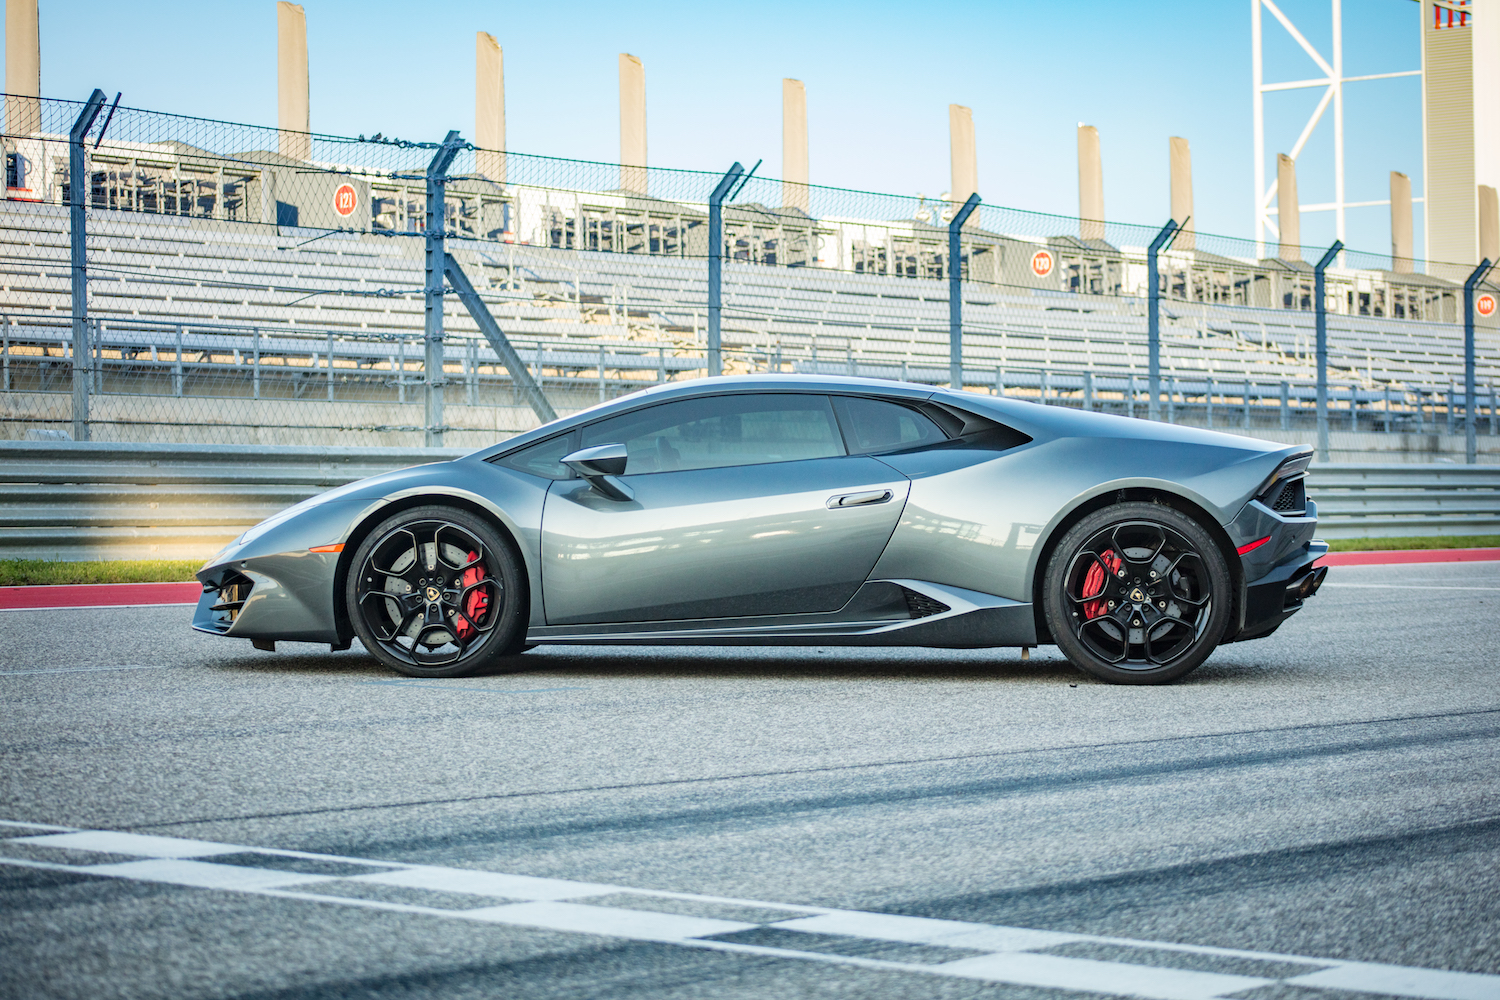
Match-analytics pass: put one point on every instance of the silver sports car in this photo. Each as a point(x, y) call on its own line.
point(800, 511)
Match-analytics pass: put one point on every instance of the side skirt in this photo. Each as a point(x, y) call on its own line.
point(972, 620)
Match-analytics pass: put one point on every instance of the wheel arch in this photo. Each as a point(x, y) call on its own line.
point(469, 503)
point(1140, 494)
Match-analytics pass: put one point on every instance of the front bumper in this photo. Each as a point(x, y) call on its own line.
point(1279, 575)
point(272, 587)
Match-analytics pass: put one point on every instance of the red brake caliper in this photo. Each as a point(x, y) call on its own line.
point(477, 601)
point(1093, 583)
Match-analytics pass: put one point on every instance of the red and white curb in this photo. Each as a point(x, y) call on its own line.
point(93, 595)
point(130, 595)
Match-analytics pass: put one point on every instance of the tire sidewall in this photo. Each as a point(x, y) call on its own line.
point(1055, 602)
point(510, 630)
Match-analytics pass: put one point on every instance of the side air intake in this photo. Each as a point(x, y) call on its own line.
point(922, 606)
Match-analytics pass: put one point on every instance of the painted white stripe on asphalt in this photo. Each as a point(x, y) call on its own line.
point(107, 842)
point(101, 607)
point(1009, 960)
point(1403, 586)
point(479, 883)
point(640, 925)
point(36, 826)
point(1061, 973)
point(924, 930)
point(87, 670)
point(1396, 980)
point(202, 875)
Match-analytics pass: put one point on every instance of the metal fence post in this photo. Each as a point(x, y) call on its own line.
point(1153, 316)
point(436, 229)
point(716, 266)
point(1320, 314)
point(78, 187)
point(956, 294)
point(1286, 405)
point(1471, 446)
point(1247, 404)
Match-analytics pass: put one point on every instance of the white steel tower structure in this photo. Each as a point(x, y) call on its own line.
point(1332, 80)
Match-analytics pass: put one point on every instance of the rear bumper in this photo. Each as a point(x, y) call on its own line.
point(1279, 574)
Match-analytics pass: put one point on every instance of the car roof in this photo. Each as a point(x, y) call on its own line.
point(714, 386)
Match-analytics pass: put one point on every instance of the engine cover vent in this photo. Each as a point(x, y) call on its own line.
point(922, 606)
point(1293, 497)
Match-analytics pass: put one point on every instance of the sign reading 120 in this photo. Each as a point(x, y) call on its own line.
point(1041, 263)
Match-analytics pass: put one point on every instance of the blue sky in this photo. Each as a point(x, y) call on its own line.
point(879, 78)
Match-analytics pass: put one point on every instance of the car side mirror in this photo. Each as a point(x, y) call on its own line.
point(600, 465)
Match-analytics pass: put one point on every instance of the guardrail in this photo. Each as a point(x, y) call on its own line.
point(129, 501)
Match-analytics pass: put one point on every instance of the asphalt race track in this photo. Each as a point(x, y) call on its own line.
point(1310, 816)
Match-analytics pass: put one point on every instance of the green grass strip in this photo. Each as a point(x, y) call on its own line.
point(1420, 542)
point(34, 572)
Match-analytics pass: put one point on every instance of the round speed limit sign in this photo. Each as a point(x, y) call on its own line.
point(345, 200)
point(1041, 263)
point(1485, 305)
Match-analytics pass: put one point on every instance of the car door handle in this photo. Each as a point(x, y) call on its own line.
point(858, 499)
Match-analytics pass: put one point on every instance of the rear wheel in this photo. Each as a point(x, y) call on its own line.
point(437, 592)
point(1137, 593)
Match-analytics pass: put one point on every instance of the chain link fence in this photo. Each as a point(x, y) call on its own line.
point(239, 284)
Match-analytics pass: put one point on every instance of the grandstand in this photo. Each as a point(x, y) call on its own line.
point(226, 297)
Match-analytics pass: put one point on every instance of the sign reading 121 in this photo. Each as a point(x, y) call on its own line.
point(345, 200)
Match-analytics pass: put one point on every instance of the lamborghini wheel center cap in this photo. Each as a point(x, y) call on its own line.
point(1137, 595)
point(433, 594)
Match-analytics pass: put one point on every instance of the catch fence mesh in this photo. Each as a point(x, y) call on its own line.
point(251, 285)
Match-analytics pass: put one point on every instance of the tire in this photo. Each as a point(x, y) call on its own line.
point(1137, 593)
point(437, 592)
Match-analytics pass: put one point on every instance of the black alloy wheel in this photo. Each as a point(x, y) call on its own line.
point(1137, 593)
point(437, 592)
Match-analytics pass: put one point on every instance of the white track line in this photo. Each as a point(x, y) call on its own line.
point(1009, 954)
point(98, 607)
point(1403, 586)
point(87, 670)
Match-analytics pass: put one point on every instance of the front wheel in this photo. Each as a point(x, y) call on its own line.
point(437, 592)
point(1137, 593)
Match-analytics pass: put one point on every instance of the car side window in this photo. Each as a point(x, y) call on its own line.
point(713, 432)
point(544, 458)
point(875, 425)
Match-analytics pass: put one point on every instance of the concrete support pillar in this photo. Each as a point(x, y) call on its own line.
point(23, 68)
point(632, 124)
point(794, 172)
point(1181, 157)
point(1402, 245)
point(1489, 224)
point(1090, 184)
point(489, 107)
point(1288, 214)
point(291, 81)
point(962, 159)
